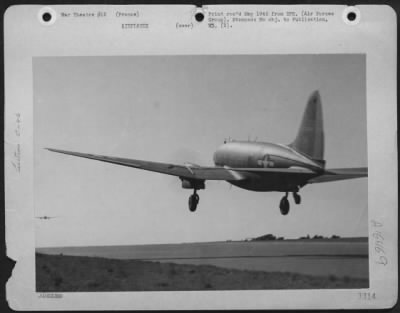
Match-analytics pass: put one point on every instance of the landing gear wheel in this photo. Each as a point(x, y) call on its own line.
point(284, 206)
point(297, 198)
point(193, 201)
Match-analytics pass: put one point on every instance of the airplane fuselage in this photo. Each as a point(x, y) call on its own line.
point(245, 154)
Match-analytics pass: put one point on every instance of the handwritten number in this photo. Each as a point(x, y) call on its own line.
point(379, 247)
point(376, 224)
point(382, 260)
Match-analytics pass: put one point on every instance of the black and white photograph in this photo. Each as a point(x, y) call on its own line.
point(214, 157)
point(200, 172)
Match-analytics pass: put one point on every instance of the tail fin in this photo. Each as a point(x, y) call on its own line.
point(310, 137)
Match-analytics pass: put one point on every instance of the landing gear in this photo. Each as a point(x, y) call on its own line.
point(284, 205)
point(193, 201)
point(297, 198)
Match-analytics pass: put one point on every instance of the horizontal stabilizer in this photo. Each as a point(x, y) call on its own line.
point(340, 174)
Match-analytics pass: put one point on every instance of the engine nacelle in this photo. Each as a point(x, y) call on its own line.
point(192, 183)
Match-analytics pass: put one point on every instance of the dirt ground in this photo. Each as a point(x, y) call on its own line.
point(58, 273)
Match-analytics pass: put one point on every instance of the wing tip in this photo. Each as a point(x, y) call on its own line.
point(54, 150)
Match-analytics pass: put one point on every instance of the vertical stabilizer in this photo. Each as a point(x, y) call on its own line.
point(310, 137)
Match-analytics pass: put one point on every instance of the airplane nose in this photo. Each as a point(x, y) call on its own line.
point(218, 156)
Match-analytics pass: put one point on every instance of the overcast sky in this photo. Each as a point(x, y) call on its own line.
point(180, 109)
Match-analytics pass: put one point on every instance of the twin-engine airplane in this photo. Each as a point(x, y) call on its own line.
point(257, 166)
point(45, 217)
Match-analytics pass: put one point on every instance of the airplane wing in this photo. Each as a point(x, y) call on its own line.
point(340, 174)
point(186, 171)
point(196, 172)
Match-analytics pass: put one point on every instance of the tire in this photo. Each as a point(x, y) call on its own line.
point(284, 206)
point(192, 203)
point(297, 198)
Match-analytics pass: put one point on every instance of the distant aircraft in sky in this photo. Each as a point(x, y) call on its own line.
point(45, 217)
point(256, 166)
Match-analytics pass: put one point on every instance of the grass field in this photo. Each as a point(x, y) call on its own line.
point(323, 257)
point(58, 273)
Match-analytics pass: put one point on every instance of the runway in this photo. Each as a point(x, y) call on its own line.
point(338, 257)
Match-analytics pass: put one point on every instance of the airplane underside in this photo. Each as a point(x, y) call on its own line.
point(260, 184)
point(268, 185)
